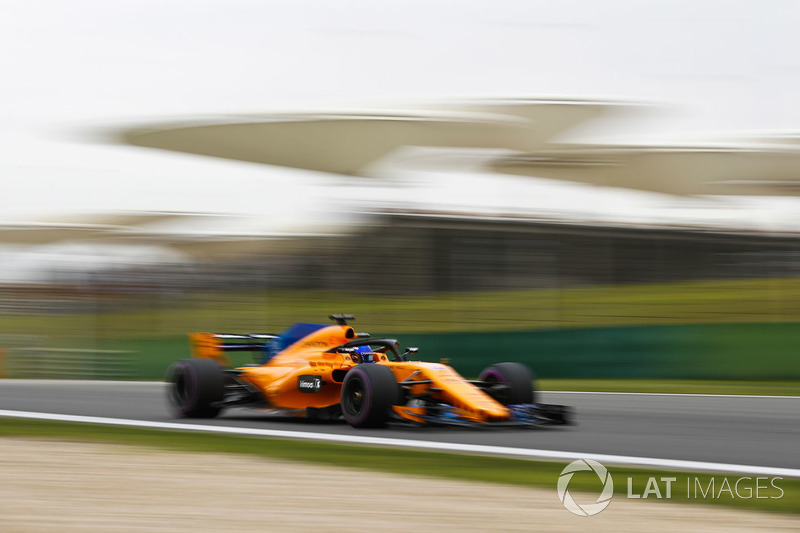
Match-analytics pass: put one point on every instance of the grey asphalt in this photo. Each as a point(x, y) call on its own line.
point(760, 431)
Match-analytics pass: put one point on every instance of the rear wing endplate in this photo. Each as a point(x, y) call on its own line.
point(216, 345)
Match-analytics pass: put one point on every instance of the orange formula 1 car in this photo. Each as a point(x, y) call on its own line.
point(332, 372)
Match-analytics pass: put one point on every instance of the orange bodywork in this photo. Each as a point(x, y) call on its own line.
point(279, 379)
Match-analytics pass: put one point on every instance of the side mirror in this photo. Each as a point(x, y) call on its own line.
point(410, 351)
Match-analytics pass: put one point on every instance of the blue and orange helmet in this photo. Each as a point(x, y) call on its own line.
point(365, 354)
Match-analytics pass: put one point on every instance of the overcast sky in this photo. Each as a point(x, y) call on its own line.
point(733, 64)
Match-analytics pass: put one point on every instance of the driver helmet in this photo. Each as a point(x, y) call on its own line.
point(365, 354)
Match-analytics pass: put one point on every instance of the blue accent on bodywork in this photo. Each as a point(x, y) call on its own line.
point(287, 338)
point(523, 412)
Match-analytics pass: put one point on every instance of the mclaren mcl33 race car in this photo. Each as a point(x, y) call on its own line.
point(331, 372)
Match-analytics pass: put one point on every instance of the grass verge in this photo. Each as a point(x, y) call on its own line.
point(434, 464)
point(674, 386)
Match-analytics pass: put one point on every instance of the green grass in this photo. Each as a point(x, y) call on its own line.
point(448, 465)
point(752, 300)
point(683, 386)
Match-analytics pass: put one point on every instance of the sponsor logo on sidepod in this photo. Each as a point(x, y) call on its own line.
point(309, 383)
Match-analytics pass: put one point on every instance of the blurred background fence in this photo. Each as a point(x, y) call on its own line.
point(571, 300)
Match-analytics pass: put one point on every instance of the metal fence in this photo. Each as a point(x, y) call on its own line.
point(37, 362)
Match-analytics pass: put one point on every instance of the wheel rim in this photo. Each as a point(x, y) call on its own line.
point(354, 400)
point(179, 394)
point(182, 393)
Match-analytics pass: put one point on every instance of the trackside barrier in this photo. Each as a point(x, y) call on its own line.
point(696, 351)
point(733, 351)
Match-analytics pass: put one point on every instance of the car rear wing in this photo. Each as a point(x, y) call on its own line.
point(216, 345)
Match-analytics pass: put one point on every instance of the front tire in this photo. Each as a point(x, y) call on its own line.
point(368, 393)
point(517, 381)
point(196, 386)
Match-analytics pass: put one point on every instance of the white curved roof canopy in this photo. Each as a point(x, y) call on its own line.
point(529, 131)
point(349, 143)
point(685, 171)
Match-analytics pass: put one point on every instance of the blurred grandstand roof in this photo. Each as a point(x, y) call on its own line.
point(528, 130)
point(319, 114)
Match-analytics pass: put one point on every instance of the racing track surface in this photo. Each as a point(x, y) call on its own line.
point(763, 431)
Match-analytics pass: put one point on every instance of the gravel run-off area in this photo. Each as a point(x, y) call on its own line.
point(48, 485)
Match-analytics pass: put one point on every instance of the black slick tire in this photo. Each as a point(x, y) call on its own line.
point(196, 386)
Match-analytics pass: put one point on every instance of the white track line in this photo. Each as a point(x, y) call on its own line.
point(686, 394)
point(694, 466)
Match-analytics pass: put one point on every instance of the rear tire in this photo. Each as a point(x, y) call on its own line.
point(517, 378)
point(368, 393)
point(195, 386)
